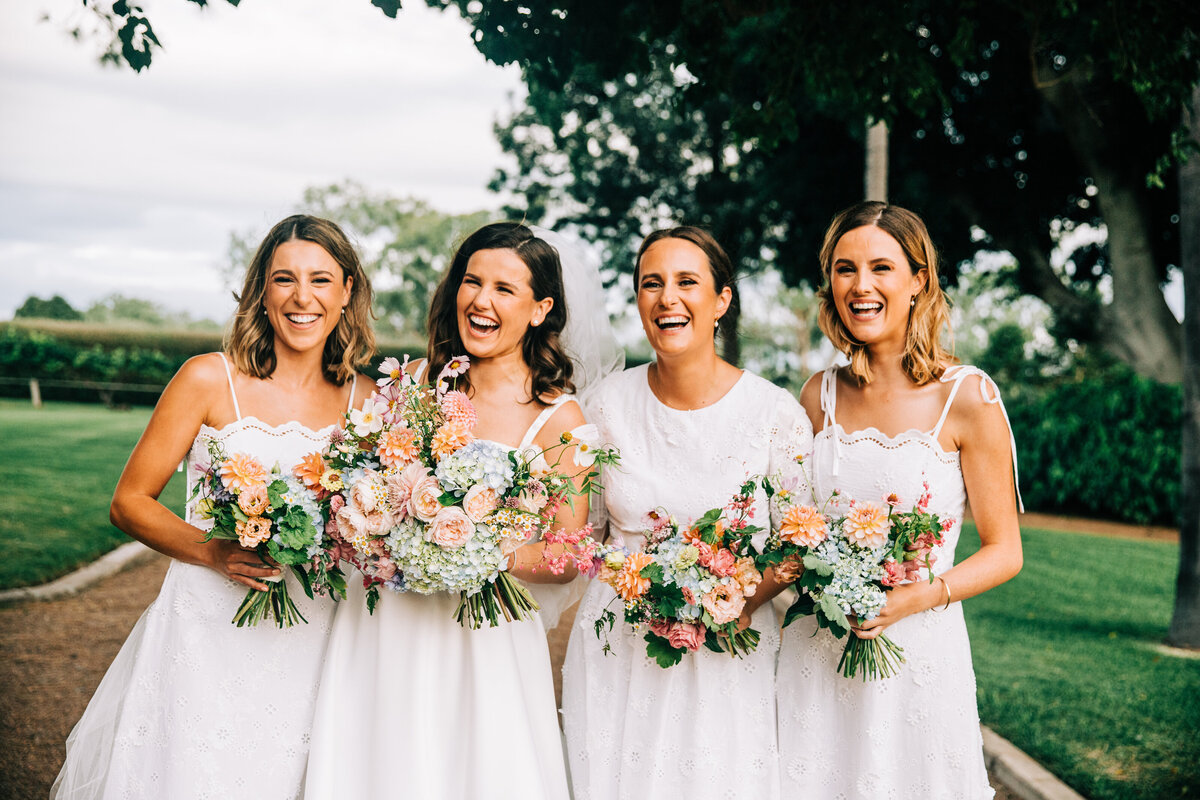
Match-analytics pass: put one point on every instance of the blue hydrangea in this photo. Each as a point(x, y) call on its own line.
point(480, 462)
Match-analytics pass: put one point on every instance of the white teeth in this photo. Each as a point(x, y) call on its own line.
point(866, 307)
point(302, 319)
point(483, 322)
point(671, 321)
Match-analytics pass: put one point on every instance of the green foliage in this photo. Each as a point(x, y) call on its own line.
point(662, 652)
point(1106, 446)
point(54, 308)
point(1068, 665)
point(62, 462)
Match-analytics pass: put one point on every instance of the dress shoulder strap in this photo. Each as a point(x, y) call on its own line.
point(540, 421)
point(991, 395)
point(829, 395)
point(422, 368)
point(353, 388)
point(233, 394)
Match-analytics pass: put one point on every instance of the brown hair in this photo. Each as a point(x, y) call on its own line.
point(925, 359)
point(550, 369)
point(250, 342)
point(719, 263)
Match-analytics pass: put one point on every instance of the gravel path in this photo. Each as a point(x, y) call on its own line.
point(55, 654)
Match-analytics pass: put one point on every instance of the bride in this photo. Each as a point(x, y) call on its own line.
point(193, 706)
point(411, 703)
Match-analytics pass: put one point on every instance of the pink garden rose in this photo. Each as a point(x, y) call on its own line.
point(723, 562)
point(480, 501)
point(686, 635)
point(425, 503)
point(724, 602)
point(894, 573)
point(451, 528)
point(385, 569)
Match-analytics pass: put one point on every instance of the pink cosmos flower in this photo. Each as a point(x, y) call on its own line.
point(391, 369)
point(455, 367)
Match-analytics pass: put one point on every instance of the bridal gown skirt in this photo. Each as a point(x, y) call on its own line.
point(704, 728)
point(195, 707)
point(413, 705)
point(915, 734)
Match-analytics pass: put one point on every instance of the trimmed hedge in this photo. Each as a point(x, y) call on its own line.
point(1107, 447)
point(89, 356)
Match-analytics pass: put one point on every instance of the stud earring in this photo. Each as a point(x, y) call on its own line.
point(913, 302)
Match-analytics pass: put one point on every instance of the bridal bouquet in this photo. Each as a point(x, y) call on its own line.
point(687, 586)
point(420, 505)
point(850, 561)
point(278, 515)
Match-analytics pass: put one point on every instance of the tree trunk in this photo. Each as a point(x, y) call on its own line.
point(1185, 622)
point(875, 177)
point(1137, 326)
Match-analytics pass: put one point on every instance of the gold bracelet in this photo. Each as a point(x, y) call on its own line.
point(948, 593)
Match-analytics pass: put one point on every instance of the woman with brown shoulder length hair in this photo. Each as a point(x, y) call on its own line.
point(194, 706)
point(902, 418)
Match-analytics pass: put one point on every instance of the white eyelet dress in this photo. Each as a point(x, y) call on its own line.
point(704, 728)
point(193, 706)
point(916, 734)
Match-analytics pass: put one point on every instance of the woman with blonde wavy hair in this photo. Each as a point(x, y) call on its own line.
point(902, 417)
point(193, 706)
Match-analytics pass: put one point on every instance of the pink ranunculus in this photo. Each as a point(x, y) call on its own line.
point(480, 501)
point(724, 602)
point(425, 503)
point(681, 635)
point(723, 563)
point(450, 528)
point(335, 503)
point(385, 569)
point(688, 595)
point(894, 573)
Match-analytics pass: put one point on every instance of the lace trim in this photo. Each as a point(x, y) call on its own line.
point(881, 439)
point(316, 435)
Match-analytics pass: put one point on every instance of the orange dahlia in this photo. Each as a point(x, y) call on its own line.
point(450, 438)
point(397, 447)
point(241, 471)
point(867, 525)
point(629, 583)
point(803, 525)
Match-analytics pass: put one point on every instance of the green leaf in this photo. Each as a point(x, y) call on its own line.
point(713, 642)
point(372, 599)
point(661, 651)
point(388, 7)
point(652, 572)
point(305, 581)
point(814, 563)
point(832, 613)
point(803, 607)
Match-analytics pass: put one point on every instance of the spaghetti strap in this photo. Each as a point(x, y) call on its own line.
point(540, 421)
point(990, 393)
point(828, 405)
point(353, 386)
point(229, 374)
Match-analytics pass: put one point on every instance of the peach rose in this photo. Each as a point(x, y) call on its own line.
point(450, 528)
point(803, 525)
point(425, 503)
point(480, 501)
point(724, 602)
point(253, 531)
point(253, 499)
point(240, 471)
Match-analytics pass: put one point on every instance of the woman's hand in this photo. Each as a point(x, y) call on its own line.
point(239, 564)
point(902, 601)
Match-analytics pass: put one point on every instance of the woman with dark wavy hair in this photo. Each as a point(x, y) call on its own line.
point(193, 706)
point(411, 702)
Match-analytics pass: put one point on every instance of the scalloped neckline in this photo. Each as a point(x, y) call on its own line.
point(289, 425)
point(871, 431)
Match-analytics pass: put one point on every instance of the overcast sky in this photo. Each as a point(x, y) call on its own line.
point(112, 180)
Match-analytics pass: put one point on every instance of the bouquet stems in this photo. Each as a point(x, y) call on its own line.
point(504, 597)
point(877, 658)
point(273, 604)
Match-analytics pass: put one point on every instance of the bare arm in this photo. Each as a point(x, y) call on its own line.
point(529, 561)
point(185, 405)
point(982, 437)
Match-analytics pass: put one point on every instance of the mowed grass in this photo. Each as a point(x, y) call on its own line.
point(60, 464)
point(1069, 668)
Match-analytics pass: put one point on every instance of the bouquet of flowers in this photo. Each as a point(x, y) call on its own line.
point(850, 561)
point(688, 585)
point(276, 513)
point(420, 505)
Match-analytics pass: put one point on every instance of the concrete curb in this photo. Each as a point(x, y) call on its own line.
point(1026, 778)
point(108, 564)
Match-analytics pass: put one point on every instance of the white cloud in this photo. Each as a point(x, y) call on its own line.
point(146, 174)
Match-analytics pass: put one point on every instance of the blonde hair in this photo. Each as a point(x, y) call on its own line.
point(925, 358)
point(250, 342)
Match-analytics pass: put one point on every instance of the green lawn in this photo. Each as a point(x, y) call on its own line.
point(1068, 670)
point(63, 460)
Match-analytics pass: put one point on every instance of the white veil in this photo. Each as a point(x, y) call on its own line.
point(592, 346)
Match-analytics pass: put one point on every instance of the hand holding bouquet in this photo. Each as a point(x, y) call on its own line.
point(421, 505)
point(850, 561)
point(688, 586)
point(278, 515)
